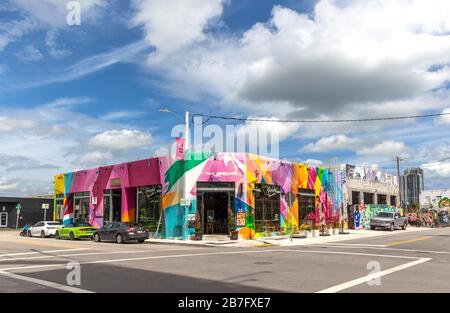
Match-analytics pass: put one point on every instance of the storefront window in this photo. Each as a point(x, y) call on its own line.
point(149, 207)
point(81, 209)
point(306, 204)
point(267, 208)
point(59, 207)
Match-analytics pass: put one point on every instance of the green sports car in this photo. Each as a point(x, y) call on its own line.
point(75, 231)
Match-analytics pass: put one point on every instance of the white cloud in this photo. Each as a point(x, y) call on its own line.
point(445, 119)
point(96, 158)
point(437, 169)
point(386, 148)
point(348, 58)
point(29, 54)
point(53, 13)
point(334, 143)
point(171, 25)
point(121, 139)
point(120, 115)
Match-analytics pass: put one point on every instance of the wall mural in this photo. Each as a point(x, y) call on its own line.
point(362, 214)
point(178, 204)
point(368, 174)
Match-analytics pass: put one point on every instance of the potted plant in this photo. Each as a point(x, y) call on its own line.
point(234, 234)
point(315, 232)
point(305, 230)
point(336, 226)
point(198, 227)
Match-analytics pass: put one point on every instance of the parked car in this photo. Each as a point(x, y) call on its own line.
point(121, 232)
point(389, 220)
point(75, 231)
point(43, 229)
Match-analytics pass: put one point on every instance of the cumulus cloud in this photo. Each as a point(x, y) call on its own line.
point(96, 157)
point(171, 25)
point(121, 139)
point(29, 54)
point(386, 148)
point(334, 143)
point(347, 58)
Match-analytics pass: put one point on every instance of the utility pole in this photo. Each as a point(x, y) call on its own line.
point(400, 185)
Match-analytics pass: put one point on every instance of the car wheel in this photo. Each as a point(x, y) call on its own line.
point(29, 233)
point(57, 235)
point(71, 236)
point(392, 227)
point(119, 239)
point(42, 234)
point(372, 227)
point(141, 241)
point(405, 226)
point(97, 237)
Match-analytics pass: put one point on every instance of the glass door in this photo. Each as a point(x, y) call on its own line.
point(4, 219)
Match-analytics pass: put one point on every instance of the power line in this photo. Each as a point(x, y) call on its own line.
point(247, 119)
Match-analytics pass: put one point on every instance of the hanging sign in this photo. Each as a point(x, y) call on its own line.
point(240, 219)
point(180, 148)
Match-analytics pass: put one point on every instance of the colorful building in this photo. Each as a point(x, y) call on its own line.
point(213, 192)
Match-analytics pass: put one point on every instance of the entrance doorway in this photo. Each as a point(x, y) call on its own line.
point(112, 206)
point(4, 219)
point(215, 202)
point(267, 208)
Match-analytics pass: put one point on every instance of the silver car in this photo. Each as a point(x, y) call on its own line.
point(389, 220)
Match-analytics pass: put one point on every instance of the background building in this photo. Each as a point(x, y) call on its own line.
point(430, 199)
point(31, 211)
point(412, 185)
point(371, 186)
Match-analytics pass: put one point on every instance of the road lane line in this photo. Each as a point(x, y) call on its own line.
point(370, 277)
point(347, 244)
point(85, 254)
point(385, 249)
point(355, 253)
point(46, 283)
point(47, 251)
point(205, 254)
point(407, 241)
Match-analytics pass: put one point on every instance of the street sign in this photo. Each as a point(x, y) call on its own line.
point(94, 200)
point(18, 207)
point(45, 206)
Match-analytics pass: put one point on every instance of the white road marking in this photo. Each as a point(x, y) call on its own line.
point(39, 252)
point(370, 277)
point(46, 283)
point(85, 254)
point(356, 253)
point(347, 244)
point(385, 248)
point(206, 254)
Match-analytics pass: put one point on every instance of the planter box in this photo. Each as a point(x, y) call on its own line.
point(335, 231)
point(315, 233)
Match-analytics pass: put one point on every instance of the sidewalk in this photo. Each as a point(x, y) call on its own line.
point(284, 241)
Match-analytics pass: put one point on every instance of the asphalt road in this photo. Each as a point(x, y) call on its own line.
point(401, 262)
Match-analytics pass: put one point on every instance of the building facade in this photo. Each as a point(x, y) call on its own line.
point(30, 211)
point(433, 199)
point(412, 184)
point(366, 192)
point(213, 192)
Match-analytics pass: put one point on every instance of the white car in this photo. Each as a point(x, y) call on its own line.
point(44, 229)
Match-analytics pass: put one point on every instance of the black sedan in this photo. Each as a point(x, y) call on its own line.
point(121, 232)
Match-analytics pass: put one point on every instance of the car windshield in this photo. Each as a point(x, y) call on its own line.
point(385, 214)
point(53, 223)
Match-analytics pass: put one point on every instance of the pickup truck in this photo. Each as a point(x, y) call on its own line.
point(389, 220)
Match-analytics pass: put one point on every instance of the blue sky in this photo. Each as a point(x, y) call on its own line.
point(79, 96)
